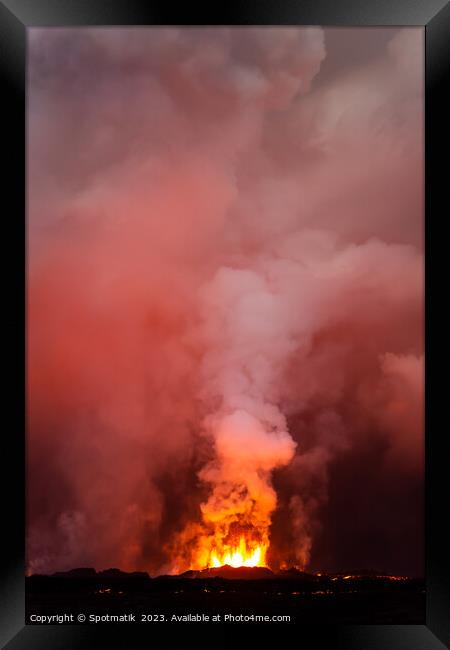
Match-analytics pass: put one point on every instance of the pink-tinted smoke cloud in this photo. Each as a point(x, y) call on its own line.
point(225, 295)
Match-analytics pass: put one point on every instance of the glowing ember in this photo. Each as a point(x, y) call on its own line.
point(238, 556)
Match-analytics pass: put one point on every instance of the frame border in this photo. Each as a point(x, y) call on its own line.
point(15, 17)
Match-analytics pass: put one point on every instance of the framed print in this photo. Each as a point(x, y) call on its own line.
point(222, 417)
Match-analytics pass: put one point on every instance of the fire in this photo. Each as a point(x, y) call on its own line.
point(236, 516)
point(240, 555)
point(198, 547)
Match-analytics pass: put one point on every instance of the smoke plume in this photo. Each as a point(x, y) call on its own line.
point(225, 297)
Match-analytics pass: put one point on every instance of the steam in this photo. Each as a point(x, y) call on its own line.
point(246, 346)
point(224, 292)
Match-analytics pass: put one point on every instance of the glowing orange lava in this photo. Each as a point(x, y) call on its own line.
point(240, 555)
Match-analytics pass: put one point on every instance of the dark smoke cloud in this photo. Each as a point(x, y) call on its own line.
point(217, 234)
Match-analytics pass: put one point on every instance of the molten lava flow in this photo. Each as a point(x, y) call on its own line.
point(241, 555)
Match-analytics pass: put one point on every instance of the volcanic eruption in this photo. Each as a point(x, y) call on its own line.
point(247, 344)
point(225, 299)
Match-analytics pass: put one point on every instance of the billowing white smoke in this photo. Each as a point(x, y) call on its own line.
point(247, 341)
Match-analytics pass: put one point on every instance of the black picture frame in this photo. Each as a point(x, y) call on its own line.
point(15, 17)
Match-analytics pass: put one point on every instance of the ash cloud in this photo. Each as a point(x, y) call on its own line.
point(219, 240)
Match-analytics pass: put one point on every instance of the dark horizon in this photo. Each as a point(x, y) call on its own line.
point(247, 590)
point(354, 572)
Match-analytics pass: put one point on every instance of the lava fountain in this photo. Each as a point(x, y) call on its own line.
point(245, 331)
point(236, 517)
point(241, 555)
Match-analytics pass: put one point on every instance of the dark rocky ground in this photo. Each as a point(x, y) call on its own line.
point(355, 598)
